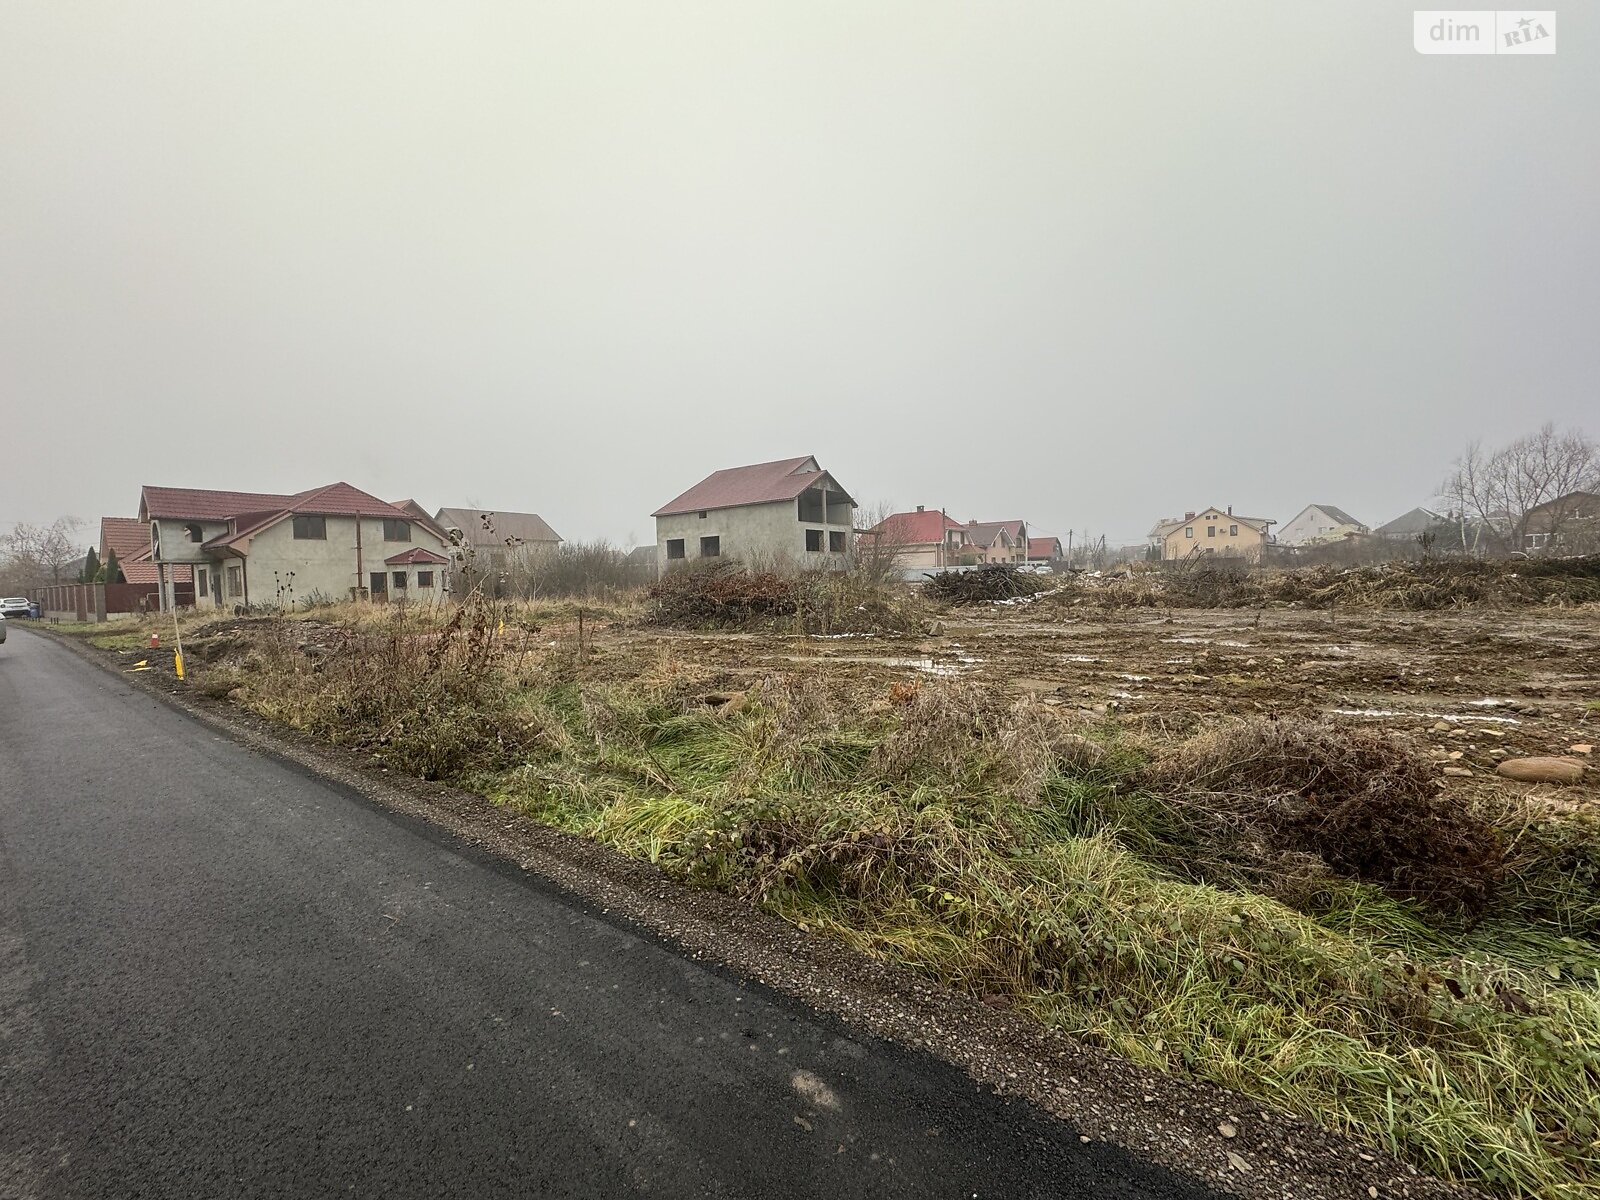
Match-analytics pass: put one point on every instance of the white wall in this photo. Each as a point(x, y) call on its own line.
point(766, 534)
point(279, 568)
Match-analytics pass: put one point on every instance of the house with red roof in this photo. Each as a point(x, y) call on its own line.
point(1045, 549)
point(784, 514)
point(334, 542)
point(920, 540)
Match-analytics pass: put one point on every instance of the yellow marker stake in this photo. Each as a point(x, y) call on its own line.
point(177, 637)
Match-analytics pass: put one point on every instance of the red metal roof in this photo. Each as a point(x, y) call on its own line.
point(203, 504)
point(251, 512)
point(1043, 547)
point(759, 483)
point(915, 528)
point(416, 554)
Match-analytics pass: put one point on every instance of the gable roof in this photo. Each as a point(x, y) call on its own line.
point(508, 527)
point(1044, 545)
point(417, 554)
point(986, 533)
point(248, 513)
point(1418, 520)
point(1335, 514)
point(1574, 502)
point(203, 504)
point(915, 528)
point(1339, 515)
point(759, 483)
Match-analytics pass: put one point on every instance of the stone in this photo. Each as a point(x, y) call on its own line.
point(1581, 748)
point(1542, 770)
point(1459, 772)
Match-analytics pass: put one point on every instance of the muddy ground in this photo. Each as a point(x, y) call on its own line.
point(1475, 687)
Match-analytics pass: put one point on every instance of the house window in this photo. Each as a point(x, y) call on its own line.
point(399, 581)
point(200, 582)
point(424, 579)
point(674, 547)
point(1211, 531)
point(310, 529)
point(235, 581)
point(196, 534)
point(835, 541)
point(1189, 532)
point(814, 540)
point(710, 547)
point(701, 514)
point(396, 531)
point(1233, 531)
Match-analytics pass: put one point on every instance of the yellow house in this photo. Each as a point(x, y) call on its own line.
point(1212, 531)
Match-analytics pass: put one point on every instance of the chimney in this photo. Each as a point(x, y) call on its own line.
point(1230, 510)
point(919, 508)
point(1188, 516)
point(973, 523)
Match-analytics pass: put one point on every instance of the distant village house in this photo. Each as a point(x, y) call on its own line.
point(1211, 531)
point(785, 513)
point(1316, 524)
point(492, 542)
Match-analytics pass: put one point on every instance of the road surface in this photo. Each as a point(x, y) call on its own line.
point(220, 977)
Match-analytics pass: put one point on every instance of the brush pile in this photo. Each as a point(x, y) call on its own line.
point(1406, 587)
point(725, 595)
point(721, 595)
point(984, 585)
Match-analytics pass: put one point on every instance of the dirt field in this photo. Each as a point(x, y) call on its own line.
point(1476, 686)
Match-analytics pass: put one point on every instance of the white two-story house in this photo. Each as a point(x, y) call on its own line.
point(258, 549)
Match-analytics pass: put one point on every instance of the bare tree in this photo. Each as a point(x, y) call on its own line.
point(881, 544)
point(38, 554)
point(1533, 479)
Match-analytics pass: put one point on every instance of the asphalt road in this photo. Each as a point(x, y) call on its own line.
point(222, 978)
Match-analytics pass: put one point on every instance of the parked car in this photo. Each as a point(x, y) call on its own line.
point(2, 629)
point(16, 606)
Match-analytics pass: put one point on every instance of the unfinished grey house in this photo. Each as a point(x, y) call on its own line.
point(786, 514)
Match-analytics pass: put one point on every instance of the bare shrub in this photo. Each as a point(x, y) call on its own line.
point(579, 570)
point(1364, 802)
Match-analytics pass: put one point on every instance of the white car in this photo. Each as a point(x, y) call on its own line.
point(2, 628)
point(15, 606)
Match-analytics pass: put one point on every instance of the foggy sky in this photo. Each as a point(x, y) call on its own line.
point(1089, 265)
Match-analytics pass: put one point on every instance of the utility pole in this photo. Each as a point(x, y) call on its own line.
point(360, 566)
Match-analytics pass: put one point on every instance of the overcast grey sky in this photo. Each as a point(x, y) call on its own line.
point(1084, 264)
